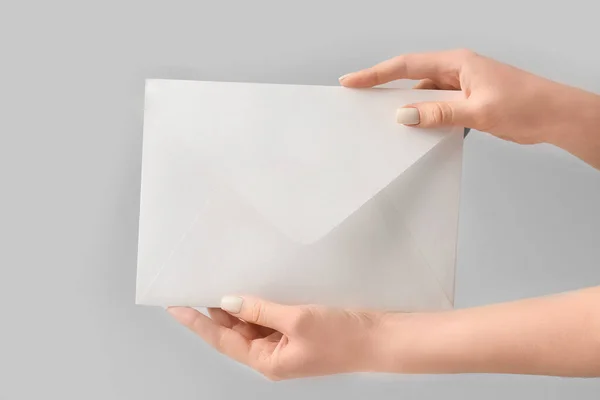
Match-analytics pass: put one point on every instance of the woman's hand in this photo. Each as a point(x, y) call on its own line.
point(553, 335)
point(500, 99)
point(284, 342)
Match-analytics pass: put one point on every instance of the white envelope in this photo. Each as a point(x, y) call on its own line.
point(296, 194)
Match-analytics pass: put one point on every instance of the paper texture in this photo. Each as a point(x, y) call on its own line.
point(297, 194)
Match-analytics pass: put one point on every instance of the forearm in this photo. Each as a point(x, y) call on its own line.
point(555, 335)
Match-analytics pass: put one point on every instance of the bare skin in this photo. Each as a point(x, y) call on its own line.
point(553, 335)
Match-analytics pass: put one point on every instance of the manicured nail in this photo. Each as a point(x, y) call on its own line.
point(341, 78)
point(232, 304)
point(407, 116)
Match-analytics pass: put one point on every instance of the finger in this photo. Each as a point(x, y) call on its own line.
point(263, 353)
point(222, 318)
point(224, 340)
point(434, 65)
point(426, 84)
point(229, 321)
point(249, 331)
point(434, 114)
point(260, 312)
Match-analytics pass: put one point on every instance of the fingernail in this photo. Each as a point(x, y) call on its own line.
point(407, 116)
point(232, 304)
point(341, 78)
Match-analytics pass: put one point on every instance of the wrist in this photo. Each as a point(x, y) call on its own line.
point(433, 343)
point(576, 125)
point(417, 343)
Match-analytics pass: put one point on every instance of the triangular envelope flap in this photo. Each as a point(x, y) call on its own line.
point(305, 157)
point(229, 248)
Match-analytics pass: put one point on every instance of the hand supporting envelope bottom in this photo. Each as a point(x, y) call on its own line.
point(284, 342)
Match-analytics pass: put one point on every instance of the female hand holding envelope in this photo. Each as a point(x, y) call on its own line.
point(500, 99)
point(554, 335)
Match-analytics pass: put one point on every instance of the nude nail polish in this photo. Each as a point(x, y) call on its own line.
point(408, 116)
point(232, 304)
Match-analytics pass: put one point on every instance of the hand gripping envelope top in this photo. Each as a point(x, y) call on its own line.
point(297, 194)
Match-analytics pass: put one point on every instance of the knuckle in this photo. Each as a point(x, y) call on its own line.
point(441, 113)
point(190, 320)
point(276, 371)
point(302, 320)
point(271, 378)
point(271, 371)
point(447, 113)
point(465, 54)
point(435, 115)
point(258, 312)
point(221, 342)
point(376, 76)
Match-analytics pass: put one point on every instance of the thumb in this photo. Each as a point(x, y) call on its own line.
point(258, 311)
point(434, 114)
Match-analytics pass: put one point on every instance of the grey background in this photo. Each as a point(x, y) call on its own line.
point(71, 92)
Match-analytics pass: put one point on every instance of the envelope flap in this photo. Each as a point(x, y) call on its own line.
point(305, 157)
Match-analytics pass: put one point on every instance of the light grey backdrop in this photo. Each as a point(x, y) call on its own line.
point(71, 91)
